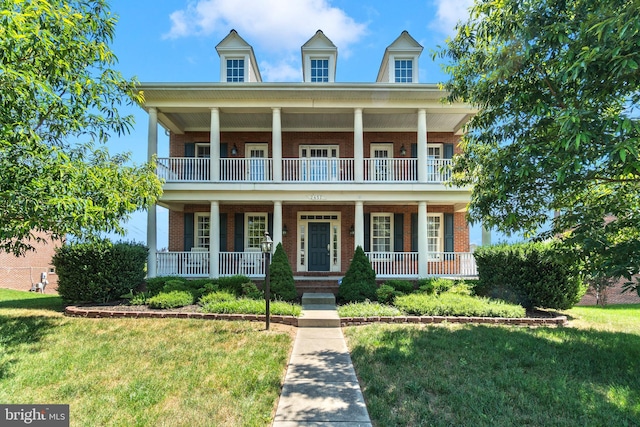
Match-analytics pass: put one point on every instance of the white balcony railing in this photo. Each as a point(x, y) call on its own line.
point(251, 170)
point(317, 170)
point(192, 169)
point(391, 170)
point(251, 264)
point(399, 264)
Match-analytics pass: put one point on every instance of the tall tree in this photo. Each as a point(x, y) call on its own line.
point(557, 86)
point(59, 100)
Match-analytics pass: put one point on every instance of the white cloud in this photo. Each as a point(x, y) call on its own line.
point(449, 13)
point(272, 25)
point(281, 71)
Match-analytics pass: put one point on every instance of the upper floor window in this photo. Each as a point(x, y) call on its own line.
point(404, 71)
point(235, 70)
point(319, 70)
point(203, 150)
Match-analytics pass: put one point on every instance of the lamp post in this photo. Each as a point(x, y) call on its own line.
point(266, 245)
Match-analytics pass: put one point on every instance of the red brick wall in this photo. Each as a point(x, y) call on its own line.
point(20, 272)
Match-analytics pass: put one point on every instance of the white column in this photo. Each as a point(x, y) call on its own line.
point(486, 236)
point(359, 225)
point(214, 240)
point(358, 145)
point(422, 240)
point(152, 232)
point(276, 137)
point(277, 223)
point(214, 148)
point(422, 145)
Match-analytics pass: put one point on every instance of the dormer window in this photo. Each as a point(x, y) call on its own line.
point(319, 70)
point(235, 70)
point(403, 71)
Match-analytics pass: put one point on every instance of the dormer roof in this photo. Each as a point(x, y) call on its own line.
point(319, 47)
point(404, 47)
point(233, 46)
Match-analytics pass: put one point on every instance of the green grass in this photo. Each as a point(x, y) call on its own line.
point(478, 375)
point(139, 372)
point(367, 309)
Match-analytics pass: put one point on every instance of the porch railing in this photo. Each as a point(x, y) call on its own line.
point(251, 264)
point(194, 169)
point(317, 170)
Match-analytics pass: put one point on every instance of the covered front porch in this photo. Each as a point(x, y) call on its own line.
point(401, 265)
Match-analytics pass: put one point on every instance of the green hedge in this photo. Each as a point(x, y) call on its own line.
point(171, 299)
point(530, 274)
point(99, 271)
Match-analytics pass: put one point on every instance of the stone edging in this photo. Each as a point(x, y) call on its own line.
point(293, 321)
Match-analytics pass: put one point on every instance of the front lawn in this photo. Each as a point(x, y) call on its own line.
point(174, 372)
point(477, 375)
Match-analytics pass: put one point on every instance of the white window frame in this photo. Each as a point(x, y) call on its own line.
point(440, 237)
point(247, 237)
point(240, 78)
point(325, 78)
point(381, 167)
point(412, 69)
point(373, 234)
point(200, 146)
point(198, 240)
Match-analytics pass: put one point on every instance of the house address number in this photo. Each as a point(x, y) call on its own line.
point(316, 197)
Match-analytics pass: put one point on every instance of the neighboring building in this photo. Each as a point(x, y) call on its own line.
point(322, 166)
point(20, 273)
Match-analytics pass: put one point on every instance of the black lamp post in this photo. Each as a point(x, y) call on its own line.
point(266, 245)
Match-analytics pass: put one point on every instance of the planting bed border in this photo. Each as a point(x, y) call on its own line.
point(75, 311)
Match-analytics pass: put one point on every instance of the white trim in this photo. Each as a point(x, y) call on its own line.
point(328, 147)
point(196, 222)
point(391, 217)
point(333, 222)
point(440, 231)
point(202, 145)
point(246, 228)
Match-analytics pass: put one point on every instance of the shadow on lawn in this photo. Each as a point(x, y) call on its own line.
point(19, 331)
point(35, 302)
point(481, 375)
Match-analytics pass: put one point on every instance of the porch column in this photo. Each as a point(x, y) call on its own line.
point(358, 146)
point(214, 145)
point(422, 240)
point(277, 223)
point(422, 145)
point(359, 225)
point(214, 240)
point(276, 137)
point(152, 232)
point(486, 236)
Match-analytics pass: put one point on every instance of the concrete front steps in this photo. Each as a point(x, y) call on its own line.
point(319, 311)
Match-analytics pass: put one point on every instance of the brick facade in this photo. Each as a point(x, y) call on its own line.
point(20, 272)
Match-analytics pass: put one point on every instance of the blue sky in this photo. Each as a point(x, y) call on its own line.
point(174, 41)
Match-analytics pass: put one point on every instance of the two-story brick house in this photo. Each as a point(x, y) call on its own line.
point(323, 166)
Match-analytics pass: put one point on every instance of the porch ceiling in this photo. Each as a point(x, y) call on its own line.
point(304, 107)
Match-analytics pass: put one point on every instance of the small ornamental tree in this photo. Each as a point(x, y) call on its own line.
point(359, 283)
point(281, 276)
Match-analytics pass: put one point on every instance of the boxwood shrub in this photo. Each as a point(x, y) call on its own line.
point(530, 274)
point(99, 271)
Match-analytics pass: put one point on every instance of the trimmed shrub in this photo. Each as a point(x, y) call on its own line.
point(251, 291)
point(359, 283)
point(171, 299)
point(449, 304)
point(435, 285)
point(367, 309)
point(155, 284)
point(233, 284)
point(251, 306)
point(402, 286)
point(530, 274)
point(196, 287)
point(281, 283)
point(386, 294)
point(99, 271)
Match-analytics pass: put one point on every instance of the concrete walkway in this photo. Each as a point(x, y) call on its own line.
point(321, 387)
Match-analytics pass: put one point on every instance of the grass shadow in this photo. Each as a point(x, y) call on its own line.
point(488, 376)
point(30, 301)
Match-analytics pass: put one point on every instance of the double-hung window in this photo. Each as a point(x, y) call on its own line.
point(403, 71)
point(202, 225)
point(235, 70)
point(381, 233)
point(319, 70)
point(256, 225)
point(434, 234)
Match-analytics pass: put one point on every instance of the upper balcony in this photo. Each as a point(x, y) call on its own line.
point(301, 170)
